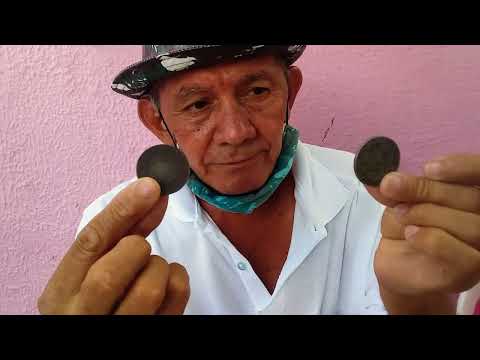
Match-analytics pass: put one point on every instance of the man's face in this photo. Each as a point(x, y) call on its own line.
point(228, 120)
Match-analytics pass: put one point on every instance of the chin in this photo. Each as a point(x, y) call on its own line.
point(241, 185)
point(241, 179)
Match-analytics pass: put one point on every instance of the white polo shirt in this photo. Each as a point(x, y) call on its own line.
point(329, 267)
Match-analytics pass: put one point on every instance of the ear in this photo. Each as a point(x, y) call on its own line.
point(295, 79)
point(152, 120)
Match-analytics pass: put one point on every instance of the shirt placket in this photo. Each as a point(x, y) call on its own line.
point(258, 294)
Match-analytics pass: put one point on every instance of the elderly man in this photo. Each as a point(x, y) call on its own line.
point(265, 224)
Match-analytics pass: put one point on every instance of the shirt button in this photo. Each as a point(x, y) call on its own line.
point(242, 266)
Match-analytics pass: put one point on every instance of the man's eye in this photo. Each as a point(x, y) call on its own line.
point(258, 91)
point(198, 105)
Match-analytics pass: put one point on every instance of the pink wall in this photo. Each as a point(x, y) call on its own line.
point(65, 138)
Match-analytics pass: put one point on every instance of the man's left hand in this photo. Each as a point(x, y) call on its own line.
point(430, 244)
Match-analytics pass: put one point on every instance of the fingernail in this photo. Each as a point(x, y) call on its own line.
point(146, 187)
point(433, 169)
point(392, 183)
point(401, 210)
point(410, 231)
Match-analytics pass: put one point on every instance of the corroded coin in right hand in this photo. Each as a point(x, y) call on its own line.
point(376, 158)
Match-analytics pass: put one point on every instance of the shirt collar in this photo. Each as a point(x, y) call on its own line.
point(317, 190)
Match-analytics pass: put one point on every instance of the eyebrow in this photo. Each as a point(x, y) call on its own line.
point(186, 91)
point(250, 78)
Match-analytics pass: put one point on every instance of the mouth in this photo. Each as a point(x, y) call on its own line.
point(241, 161)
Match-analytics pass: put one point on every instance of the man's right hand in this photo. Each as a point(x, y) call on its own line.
point(109, 269)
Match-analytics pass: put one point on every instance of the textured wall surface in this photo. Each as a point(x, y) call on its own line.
point(66, 138)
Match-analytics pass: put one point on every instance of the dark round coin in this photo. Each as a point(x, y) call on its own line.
point(376, 158)
point(167, 165)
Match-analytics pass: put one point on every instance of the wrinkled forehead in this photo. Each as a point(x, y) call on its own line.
point(264, 66)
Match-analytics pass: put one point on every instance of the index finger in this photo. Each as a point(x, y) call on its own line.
point(413, 189)
point(105, 230)
point(458, 168)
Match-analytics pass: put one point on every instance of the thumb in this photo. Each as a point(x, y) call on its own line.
point(152, 219)
point(375, 192)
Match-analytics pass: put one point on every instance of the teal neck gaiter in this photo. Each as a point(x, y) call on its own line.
point(247, 203)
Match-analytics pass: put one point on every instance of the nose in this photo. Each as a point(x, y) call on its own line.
point(234, 126)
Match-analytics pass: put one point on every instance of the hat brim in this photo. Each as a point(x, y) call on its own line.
point(136, 80)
